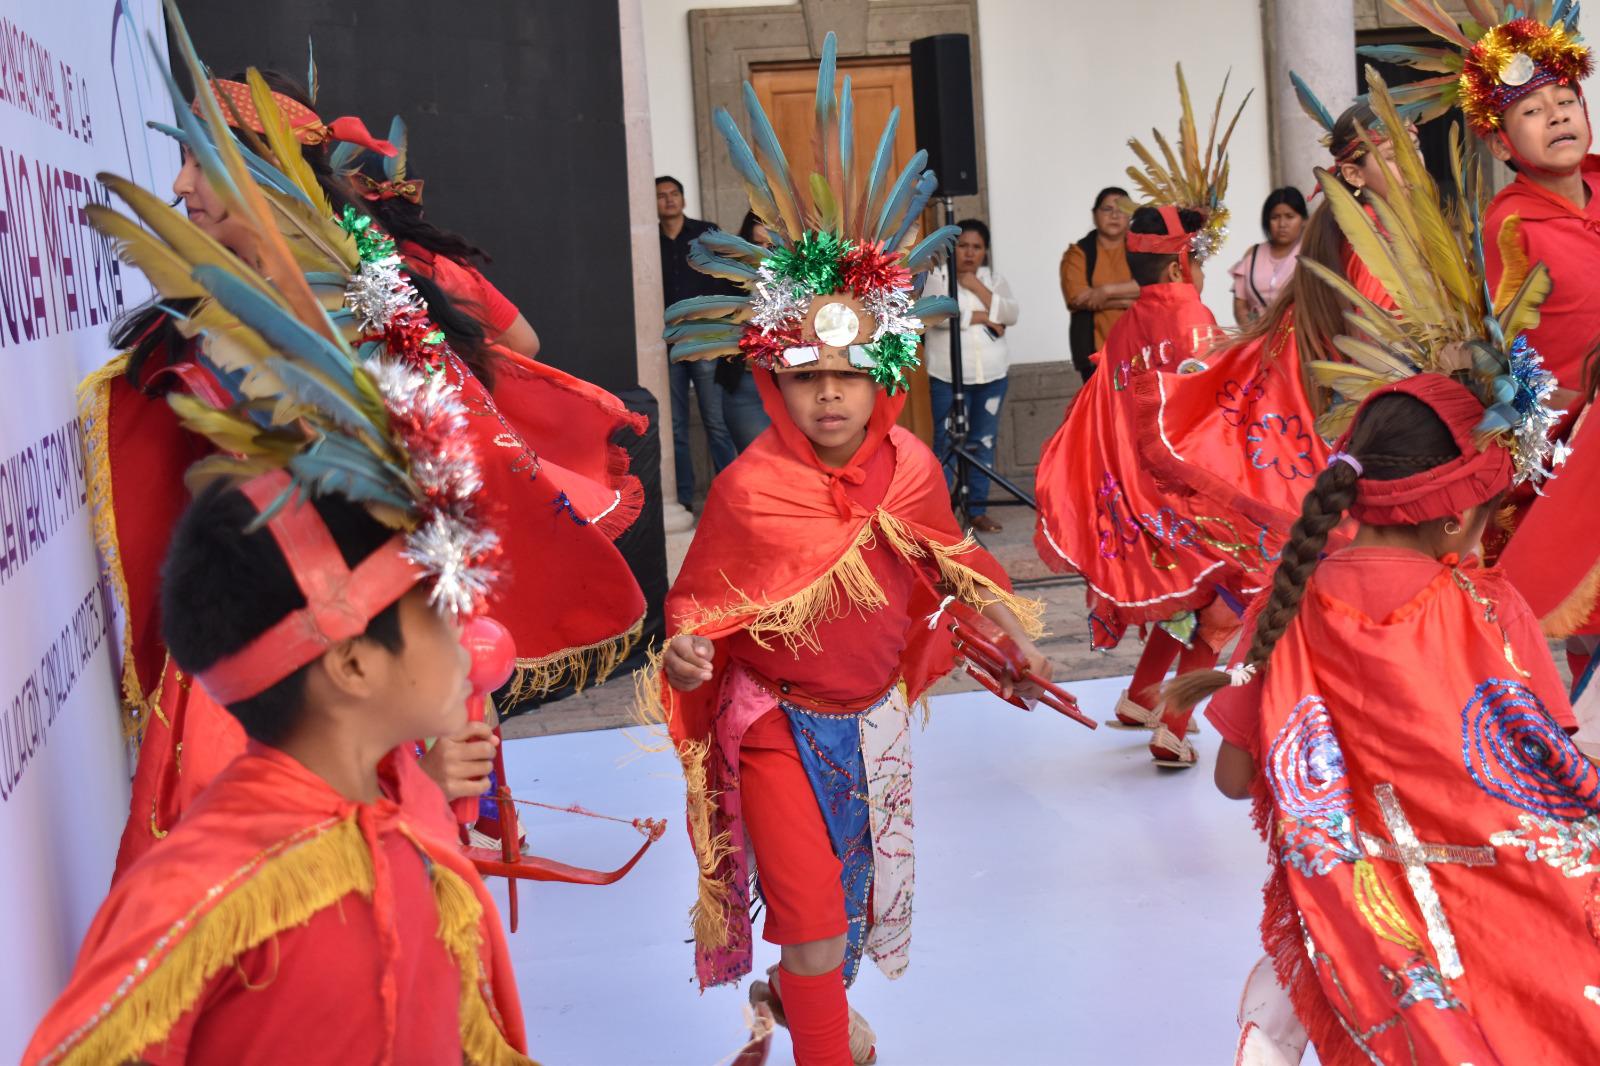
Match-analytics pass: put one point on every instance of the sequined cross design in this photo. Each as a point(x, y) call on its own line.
point(1416, 856)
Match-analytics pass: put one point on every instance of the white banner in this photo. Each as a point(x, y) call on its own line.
point(77, 84)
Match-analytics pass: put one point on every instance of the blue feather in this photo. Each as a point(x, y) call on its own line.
point(921, 193)
point(878, 176)
point(198, 143)
point(827, 69)
point(265, 174)
point(704, 307)
point(767, 146)
point(345, 158)
point(744, 161)
point(400, 139)
point(717, 266)
point(1313, 106)
point(927, 251)
point(337, 464)
point(702, 349)
point(731, 244)
point(935, 308)
point(311, 391)
point(847, 157)
point(277, 325)
point(895, 203)
point(681, 331)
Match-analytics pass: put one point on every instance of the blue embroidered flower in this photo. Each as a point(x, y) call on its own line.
point(1281, 445)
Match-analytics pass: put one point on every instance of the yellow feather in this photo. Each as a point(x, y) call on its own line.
point(284, 147)
point(135, 246)
point(187, 241)
point(1513, 261)
point(1521, 313)
point(1362, 234)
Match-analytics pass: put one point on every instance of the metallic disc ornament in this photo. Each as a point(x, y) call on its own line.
point(836, 325)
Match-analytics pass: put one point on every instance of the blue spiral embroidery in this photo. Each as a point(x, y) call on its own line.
point(1518, 754)
point(1236, 401)
point(1281, 445)
point(1305, 768)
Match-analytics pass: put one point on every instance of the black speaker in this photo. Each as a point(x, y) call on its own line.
point(941, 92)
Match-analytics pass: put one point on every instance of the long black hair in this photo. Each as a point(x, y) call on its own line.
point(405, 221)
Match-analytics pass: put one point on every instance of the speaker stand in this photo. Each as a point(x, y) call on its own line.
point(958, 451)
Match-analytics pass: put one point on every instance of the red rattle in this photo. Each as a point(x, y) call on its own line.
point(494, 656)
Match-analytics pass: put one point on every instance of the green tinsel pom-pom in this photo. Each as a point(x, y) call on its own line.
point(895, 354)
point(371, 245)
point(813, 261)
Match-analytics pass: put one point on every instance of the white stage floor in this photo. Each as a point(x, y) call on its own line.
point(1074, 904)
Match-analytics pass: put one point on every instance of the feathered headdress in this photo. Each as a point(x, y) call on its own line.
point(1490, 61)
point(1189, 180)
point(1430, 259)
point(329, 367)
point(1319, 113)
point(838, 287)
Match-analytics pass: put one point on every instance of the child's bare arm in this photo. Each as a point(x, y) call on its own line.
point(687, 662)
point(1236, 769)
point(1038, 665)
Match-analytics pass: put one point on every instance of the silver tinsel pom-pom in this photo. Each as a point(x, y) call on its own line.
point(1207, 242)
point(378, 293)
point(777, 301)
point(452, 552)
point(891, 310)
point(1534, 455)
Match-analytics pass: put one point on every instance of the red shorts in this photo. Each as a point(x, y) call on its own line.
point(795, 863)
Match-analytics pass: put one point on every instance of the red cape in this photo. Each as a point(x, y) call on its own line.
point(557, 489)
point(777, 535)
point(1484, 953)
point(265, 847)
point(1101, 514)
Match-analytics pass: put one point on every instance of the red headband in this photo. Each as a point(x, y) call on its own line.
point(1472, 478)
point(340, 602)
point(1174, 242)
point(239, 106)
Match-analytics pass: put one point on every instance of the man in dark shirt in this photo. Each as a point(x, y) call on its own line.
point(679, 280)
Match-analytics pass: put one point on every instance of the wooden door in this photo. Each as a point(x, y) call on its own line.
point(788, 92)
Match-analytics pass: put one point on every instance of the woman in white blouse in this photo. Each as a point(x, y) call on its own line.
point(987, 308)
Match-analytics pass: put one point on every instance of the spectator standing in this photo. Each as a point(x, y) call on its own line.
point(1095, 280)
point(741, 402)
point(987, 309)
point(1268, 267)
point(679, 281)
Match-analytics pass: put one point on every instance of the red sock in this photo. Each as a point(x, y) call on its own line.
point(1160, 651)
point(818, 1016)
point(1199, 657)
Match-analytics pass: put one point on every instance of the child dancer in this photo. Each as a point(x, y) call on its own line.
point(1516, 73)
point(313, 904)
point(1394, 711)
point(810, 610)
point(1100, 514)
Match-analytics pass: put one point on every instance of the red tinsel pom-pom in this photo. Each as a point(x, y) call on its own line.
point(868, 268)
point(765, 350)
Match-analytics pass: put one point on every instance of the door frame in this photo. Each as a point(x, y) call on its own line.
point(724, 42)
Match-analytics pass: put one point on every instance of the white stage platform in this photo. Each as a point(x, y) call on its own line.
point(1074, 904)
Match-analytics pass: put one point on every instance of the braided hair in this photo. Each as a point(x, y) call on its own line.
point(1395, 436)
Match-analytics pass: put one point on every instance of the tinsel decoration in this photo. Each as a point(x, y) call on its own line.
point(764, 350)
point(1519, 406)
point(1207, 241)
point(895, 353)
point(1494, 76)
point(891, 310)
point(814, 261)
point(427, 421)
point(867, 268)
point(778, 302)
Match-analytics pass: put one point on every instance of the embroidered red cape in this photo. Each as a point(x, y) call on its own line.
point(1100, 513)
point(777, 535)
point(1419, 729)
point(1235, 446)
point(268, 845)
point(557, 490)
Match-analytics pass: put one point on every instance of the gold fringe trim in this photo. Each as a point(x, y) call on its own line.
point(709, 913)
point(574, 666)
point(279, 889)
point(966, 584)
point(94, 422)
point(460, 930)
point(1575, 610)
point(847, 584)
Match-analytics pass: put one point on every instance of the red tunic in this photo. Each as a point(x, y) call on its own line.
point(1100, 512)
point(280, 922)
point(466, 286)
